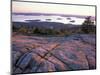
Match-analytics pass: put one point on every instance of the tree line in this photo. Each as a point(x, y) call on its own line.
point(87, 27)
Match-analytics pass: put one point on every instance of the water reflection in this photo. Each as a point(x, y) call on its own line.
point(47, 18)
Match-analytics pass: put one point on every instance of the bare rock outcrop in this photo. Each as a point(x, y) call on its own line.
point(45, 54)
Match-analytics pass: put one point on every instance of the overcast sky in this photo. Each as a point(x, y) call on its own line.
point(27, 7)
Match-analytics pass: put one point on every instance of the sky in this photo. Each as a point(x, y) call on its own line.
point(27, 7)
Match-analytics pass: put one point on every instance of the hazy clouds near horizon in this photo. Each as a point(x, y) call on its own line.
point(26, 7)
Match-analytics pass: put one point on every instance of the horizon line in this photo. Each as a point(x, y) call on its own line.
point(56, 14)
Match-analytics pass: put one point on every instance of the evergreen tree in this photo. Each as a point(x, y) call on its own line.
point(88, 25)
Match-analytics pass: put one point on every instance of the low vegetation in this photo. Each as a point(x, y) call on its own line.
point(87, 27)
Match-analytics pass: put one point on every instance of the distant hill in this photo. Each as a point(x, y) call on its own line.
point(46, 25)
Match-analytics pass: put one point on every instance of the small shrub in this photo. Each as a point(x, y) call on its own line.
point(23, 30)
